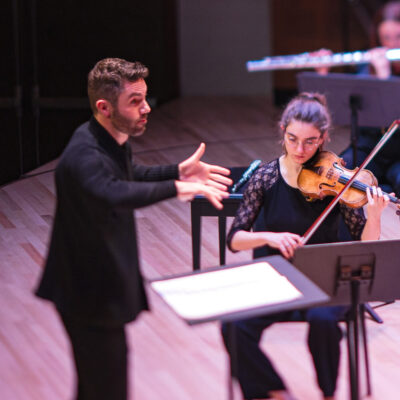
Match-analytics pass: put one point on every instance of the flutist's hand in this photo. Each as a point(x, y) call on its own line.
point(321, 53)
point(380, 63)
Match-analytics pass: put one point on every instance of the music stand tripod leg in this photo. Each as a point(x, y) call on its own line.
point(373, 314)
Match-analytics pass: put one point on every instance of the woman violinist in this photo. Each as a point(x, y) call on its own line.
point(286, 216)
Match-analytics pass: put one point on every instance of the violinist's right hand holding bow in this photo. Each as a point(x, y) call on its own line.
point(285, 242)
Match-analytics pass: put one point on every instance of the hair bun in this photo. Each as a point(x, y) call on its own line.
point(320, 98)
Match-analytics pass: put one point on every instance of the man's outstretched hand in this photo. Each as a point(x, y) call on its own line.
point(187, 190)
point(199, 178)
point(194, 170)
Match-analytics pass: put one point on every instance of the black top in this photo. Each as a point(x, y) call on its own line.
point(92, 269)
point(285, 209)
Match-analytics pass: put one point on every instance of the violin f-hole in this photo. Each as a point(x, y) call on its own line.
point(321, 185)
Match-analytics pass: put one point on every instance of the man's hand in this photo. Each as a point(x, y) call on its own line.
point(187, 190)
point(194, 170)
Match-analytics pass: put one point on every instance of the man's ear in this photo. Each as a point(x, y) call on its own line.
point(104, 107)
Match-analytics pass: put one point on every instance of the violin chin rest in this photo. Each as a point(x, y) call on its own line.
point(309, 198)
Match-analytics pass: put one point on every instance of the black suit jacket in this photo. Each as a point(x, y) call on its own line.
point(92, 269)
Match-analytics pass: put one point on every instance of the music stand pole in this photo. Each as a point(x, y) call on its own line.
point(355, 316)
point(355, 105)
point(352, 340)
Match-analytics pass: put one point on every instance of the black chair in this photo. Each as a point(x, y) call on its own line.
point(200, 207)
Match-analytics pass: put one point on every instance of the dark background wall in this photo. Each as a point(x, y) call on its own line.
point(51, 47)
point(48, 48)
point(216, 38)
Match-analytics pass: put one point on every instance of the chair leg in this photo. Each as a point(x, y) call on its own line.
point(233, 364)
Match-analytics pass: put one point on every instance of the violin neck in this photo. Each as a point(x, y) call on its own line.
point(363, 187)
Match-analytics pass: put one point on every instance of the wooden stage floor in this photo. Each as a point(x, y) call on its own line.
point(169, 359)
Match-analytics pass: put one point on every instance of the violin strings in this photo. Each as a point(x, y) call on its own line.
point(363, 187)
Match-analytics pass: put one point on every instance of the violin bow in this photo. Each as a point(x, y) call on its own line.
point(388, 134)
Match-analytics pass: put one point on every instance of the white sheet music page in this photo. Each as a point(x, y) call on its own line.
point(219, 292)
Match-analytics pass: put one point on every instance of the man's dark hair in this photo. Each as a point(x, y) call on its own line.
point(106, 79)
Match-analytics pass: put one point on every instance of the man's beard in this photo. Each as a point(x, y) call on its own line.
point(125, 125)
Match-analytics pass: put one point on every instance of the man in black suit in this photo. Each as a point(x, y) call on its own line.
point(92, 270)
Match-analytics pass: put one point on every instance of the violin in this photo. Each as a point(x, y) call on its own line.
point(326, 175)
point(350, 180)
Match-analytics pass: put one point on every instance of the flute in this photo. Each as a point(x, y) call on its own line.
point(306, 60)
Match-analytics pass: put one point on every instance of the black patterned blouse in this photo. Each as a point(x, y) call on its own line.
point(270, 204)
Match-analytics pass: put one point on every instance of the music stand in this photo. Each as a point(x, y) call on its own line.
point(198, 303)
point(353, 273)
point(355, 99)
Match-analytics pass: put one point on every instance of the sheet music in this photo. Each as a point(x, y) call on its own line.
point(227, 290)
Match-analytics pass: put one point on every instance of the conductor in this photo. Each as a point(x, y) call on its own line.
point(92, 270)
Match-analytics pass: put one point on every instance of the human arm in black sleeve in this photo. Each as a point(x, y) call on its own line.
point(249, 207)
point(96, 177)
point(155, 173)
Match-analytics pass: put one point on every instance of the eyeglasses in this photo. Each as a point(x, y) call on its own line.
point(307, 144)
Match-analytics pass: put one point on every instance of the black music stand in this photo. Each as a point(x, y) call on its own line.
point(356, 99)
point(311, 294)
point(353, 273)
